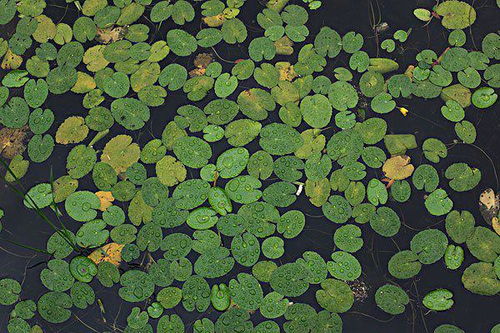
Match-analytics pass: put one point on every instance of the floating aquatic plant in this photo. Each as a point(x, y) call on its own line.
point(201, 216)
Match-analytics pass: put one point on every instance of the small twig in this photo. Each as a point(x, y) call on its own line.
point(421, 312)
point(225, 60)
point(14, 254)
point(372, 317)
point(485, 154)
point(85, 324)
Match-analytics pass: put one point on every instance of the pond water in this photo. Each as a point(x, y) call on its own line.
point(471, 312)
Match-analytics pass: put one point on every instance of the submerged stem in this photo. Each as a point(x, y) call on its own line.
point(485, 154)
point(25, 246)
point(34, 205)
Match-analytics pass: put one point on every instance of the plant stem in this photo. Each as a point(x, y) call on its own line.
point(53, 204)
point(25, 246)
point(33, 204)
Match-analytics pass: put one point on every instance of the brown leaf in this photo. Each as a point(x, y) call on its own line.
point(489, 205)
point(109, 35)
point(201, 62)
point(13, 141)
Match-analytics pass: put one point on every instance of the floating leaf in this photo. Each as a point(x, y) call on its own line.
point(430, 245)
point(53, 307)
point(456, 14)
point(335, 296)
point(10, 290)
point(398, 167)
point(82, 268)
point(422, 14)
point(73, 130)
point(480, 278)
point(391, 299)
point(120, 153)
point(438, 203)
point(453, 257)
point(438, 300)
point(108, 253)
point(484, 97)
point(404, 264)
point(462, 177)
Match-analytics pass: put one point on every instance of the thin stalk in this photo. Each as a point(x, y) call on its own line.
point(374, 22)
point(486, 155)
point(421, 312)
point(371, 317)
point(25, 246)
point(13, 253)
point(53, 204)
point(34, 205)
point(225, 60)
point(58, 215)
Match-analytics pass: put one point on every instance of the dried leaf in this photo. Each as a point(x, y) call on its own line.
point(12, 141)
point(201, 62)
point(489, 205)
point(109, 35)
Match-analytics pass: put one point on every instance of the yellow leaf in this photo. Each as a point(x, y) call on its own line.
point(398, 167)
point(214, 21)
point(409, 72)
point(284, 46)
point(72, 130)
point(11, 60)
point(111, 252)
point(45, 30)
point(106, 198)
point(230, 13)
point(287, 73)
point(94, 58)
point(84, 83)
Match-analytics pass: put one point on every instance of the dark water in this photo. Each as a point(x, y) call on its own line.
point(473, 313)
